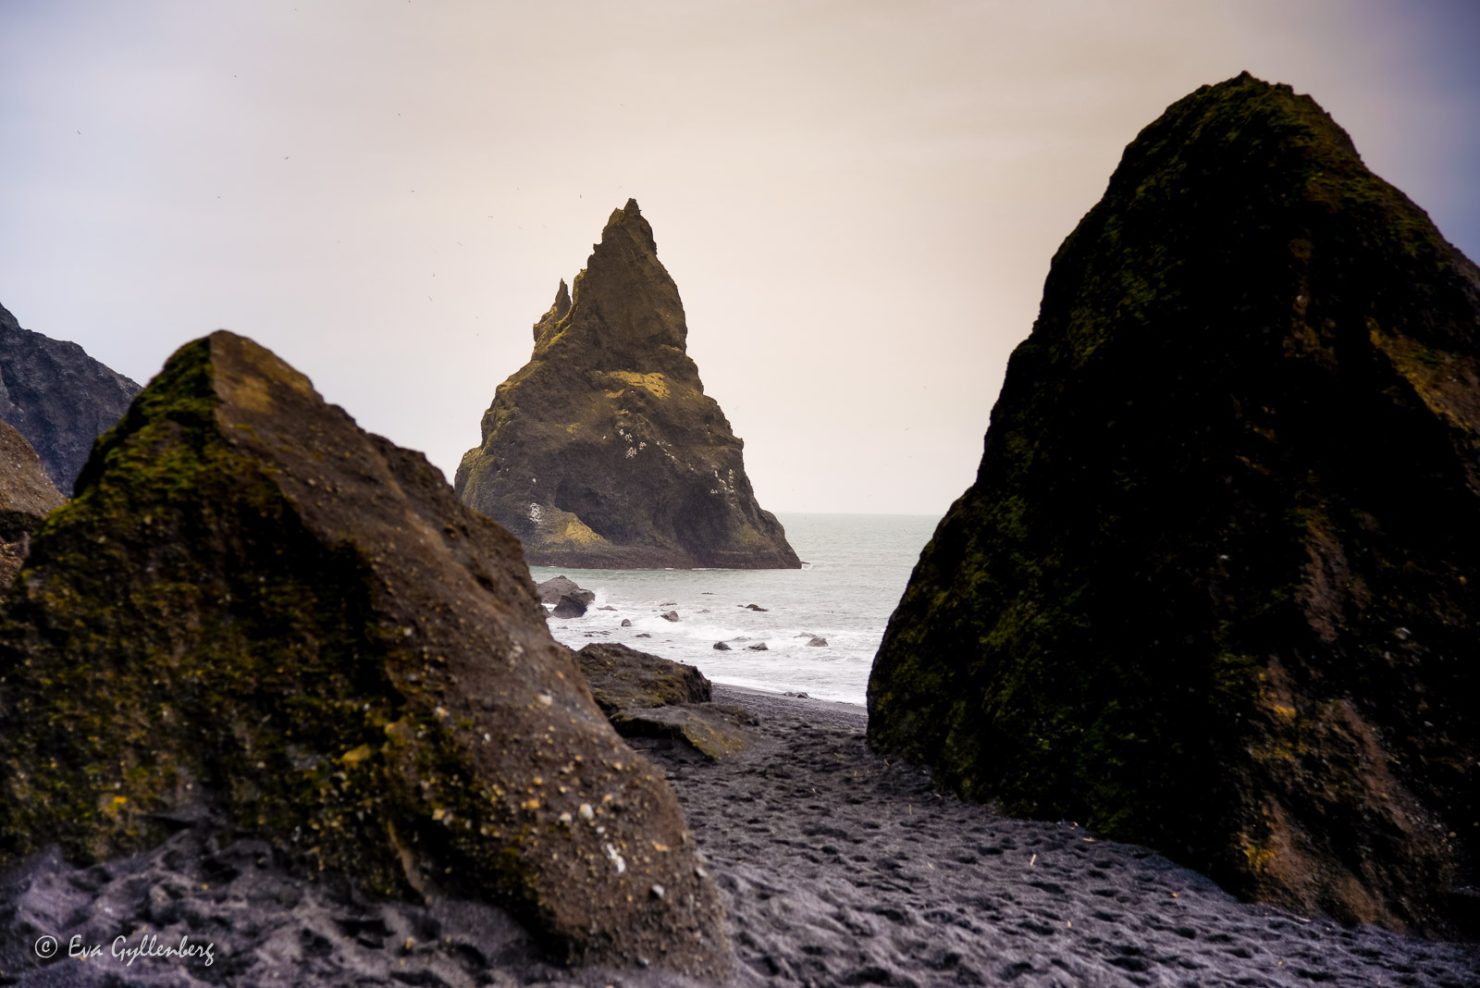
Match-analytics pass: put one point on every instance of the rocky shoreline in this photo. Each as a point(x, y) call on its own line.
point(837, 867)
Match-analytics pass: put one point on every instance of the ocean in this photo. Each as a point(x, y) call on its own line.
point(855, 568)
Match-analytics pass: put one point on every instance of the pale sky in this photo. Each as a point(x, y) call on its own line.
point(858, 200)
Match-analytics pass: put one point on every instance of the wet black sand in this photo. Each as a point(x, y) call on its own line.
point(841, 869)
point(838, 869)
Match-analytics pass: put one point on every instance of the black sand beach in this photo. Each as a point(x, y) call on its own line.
point(837, 868)
point(843, 869)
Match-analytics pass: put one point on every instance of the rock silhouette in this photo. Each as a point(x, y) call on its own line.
point(57, 397)
point(254, 611)
point(1214, 588)
point(604, 450)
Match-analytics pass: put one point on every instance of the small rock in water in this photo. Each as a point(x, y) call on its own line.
point(644, 635)
point(721, 647)
point(817, 641)
point(670, 615)
point(606, 607)
point(626, 623)
point(553, 589)
point(570, 606)
point(758, 647)
point(755, 607)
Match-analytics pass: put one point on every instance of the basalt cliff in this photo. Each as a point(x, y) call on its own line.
point(1216, 587)
point(57, 397)
point(604, 450)
point(255, 615)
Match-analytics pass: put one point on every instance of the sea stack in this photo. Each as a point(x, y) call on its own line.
point(1216, 587)
point(256, 614)
point(603, 450)
point(57, 397)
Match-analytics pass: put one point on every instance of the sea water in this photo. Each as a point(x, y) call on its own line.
point(855, 568)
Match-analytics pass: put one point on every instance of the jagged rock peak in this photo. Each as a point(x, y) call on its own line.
point(1213, 589)
point(547, 328)
point(57, 397)
point(604, 450)
point(359, 672)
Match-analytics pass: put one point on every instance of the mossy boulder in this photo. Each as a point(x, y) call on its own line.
point(27, 495)
point(646, 696)
point(1216, 587)
point(604, 451)
point(622, 677)
point(58, 397)
point(255, 610)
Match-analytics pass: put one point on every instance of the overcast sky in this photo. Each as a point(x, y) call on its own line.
point(857, 200)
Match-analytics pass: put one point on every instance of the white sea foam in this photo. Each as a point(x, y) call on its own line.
point(857, 567)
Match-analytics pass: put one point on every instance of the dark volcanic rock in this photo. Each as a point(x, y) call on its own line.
point(716, 731)
point(624, 677)
point(650, 697)
point(58, 397)
point(569, 606)
point(254, 609)
point(556, 587)
point(1214, 589)
point(26, 497)
point(603, 450)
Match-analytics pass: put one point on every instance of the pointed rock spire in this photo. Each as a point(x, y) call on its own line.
point(604, 450)
point(57, 397)
point(1214, 587)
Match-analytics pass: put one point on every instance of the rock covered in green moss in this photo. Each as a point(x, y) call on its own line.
point(646, 696)
point(58, 397)
point(622, 677)
point(604, 450)
point(27, 496)
point(254, 608)
point(1216, 587)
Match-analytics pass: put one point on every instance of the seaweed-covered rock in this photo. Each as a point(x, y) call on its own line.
point(26, 497)
point(58, 397)
point(1214, 588)
point(254, 608)
point(604, 451)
